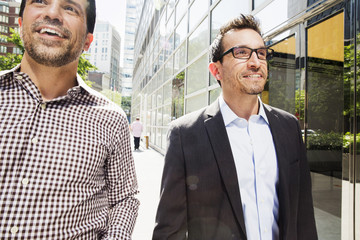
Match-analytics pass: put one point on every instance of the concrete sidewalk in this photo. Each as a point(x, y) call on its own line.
point(149, 165)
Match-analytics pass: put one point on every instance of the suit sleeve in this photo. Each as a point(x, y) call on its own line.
point(306, 222)
point(171, 215)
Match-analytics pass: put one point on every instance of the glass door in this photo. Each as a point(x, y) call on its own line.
point(324, 120)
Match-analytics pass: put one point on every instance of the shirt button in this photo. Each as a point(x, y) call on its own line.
point(19, 77)
point(25, 181)
point(14, 230)
point(43, 106)
point(34, 140)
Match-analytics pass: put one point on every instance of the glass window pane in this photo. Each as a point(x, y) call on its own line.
point(181, 8)
point(158, 137)
point(197, 11)
point(180, 58)
point(159, 117)
point(198, 75)
point(167, 92)
point(224, 11)
point(180, 32)
point(198, 40)
point(196, 102)
point(177, 107)
point(168, 69)
point(325, 114)
point(159, 99)
point(281, 87)
point(257, 3)
point(170, 7)
point(167, 114)
point(164, 138)
point(214, 94)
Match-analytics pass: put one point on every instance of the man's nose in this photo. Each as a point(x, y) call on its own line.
point(254, 61)
point(54, 11)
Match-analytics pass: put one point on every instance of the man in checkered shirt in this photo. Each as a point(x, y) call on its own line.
point(66, 167)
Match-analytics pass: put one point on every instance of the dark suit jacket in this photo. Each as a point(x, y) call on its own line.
point(200, 196)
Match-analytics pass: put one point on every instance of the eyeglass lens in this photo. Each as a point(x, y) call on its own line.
point(243, 52)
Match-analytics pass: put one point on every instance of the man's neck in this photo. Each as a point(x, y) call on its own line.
point(52, 82)
point(243, 106)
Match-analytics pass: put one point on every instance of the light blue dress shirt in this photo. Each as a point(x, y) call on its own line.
point(257, 171)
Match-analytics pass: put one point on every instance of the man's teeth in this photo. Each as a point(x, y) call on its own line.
point(51, 31)
point(254, 76)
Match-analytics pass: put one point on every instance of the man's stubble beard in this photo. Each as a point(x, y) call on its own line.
point(42, 52)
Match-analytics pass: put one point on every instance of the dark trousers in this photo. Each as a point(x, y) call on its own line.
point(137, 142)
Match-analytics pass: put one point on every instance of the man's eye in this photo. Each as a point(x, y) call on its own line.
point(262, 52)
point(37, 1)
point(241, 51)
point(71, 9)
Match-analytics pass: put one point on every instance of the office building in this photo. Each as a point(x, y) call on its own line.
point(104, 52)
point(131, 24)
point(314, 75)
point(9, 14)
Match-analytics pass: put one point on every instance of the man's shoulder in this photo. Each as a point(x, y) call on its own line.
point(8, 72)
point(279, 112)
point(191, 119)
point(100, 101)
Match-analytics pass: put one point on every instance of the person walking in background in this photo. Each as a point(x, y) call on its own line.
point(136, 129)
point(66, 168)
point(236, 169)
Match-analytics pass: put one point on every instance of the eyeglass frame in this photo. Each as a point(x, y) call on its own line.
point(269, 55)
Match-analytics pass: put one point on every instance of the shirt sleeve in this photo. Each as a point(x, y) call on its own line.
point(122, 187)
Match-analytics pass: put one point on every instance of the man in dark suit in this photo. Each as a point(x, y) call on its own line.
point(236, 169)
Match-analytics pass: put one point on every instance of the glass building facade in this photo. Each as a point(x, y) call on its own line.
point(314, 75)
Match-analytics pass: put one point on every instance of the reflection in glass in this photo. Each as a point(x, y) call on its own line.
point(214, 94)
point(198, 40)
point(166, 114)
point(197, 11)
point(180, 32)
point(257, 3)
point(167, 93)
point(357, 157)
point(198, 75)
point(159, 117)
point(177, 106)
point(196, 102)
point(181, 8)
point(164, 138)
point(224, 11)
point(180, 58)
point(325, 119)
point(168, 69)
point(281, 87)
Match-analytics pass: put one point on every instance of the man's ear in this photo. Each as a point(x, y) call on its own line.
point(214, 68)
point(88, 41)
point(20, 26)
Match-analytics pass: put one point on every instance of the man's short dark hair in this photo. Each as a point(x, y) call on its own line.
point(238, 23)
point(90, 14)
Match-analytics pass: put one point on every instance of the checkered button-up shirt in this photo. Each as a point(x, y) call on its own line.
point(66, 167)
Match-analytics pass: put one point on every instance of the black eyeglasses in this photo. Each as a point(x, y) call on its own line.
point(245, 53)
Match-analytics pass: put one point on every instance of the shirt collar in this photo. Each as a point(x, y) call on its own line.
point(72, 92)
point(229, 116)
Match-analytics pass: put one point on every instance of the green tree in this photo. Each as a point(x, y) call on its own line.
point(126, 105)
point(11, 60)
point(112, 95)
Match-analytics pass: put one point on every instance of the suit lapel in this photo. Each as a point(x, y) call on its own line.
point(279, 135)
point(216, 130)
